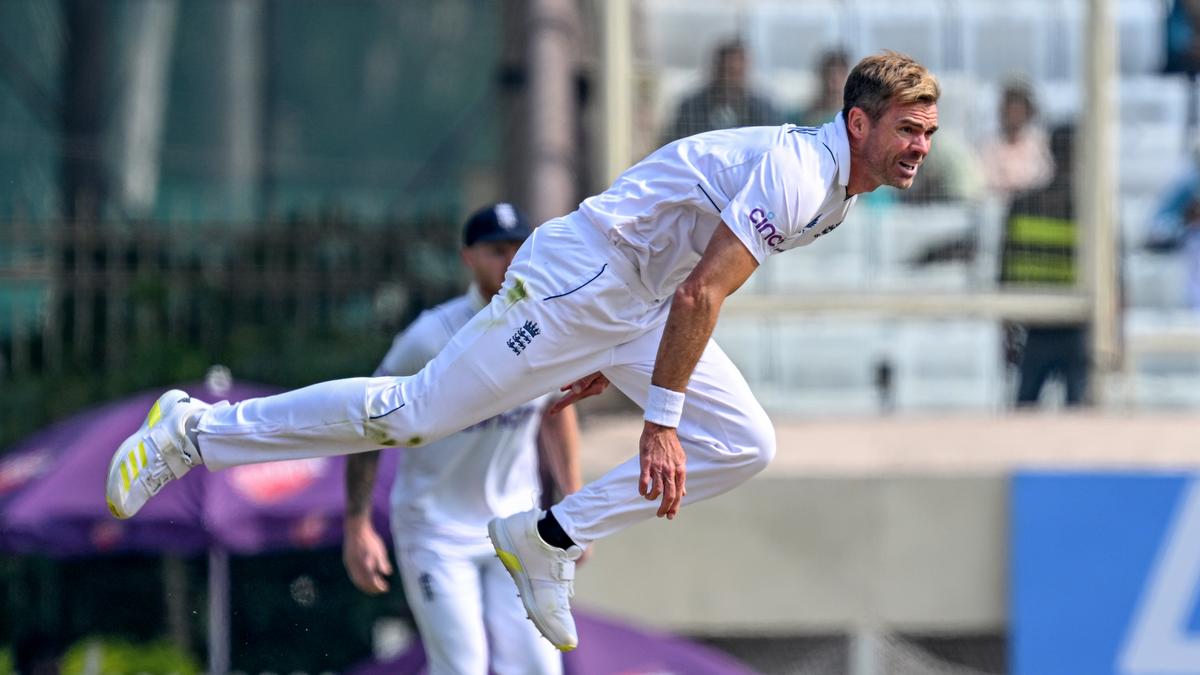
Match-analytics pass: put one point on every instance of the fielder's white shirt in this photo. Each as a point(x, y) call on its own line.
point(451, 488)
point(776, 187)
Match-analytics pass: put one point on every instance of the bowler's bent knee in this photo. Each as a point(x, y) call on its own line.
point(759, 449)
point(750, 446)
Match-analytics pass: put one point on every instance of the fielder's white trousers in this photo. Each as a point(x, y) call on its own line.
point(570, 305)
point(468, 613)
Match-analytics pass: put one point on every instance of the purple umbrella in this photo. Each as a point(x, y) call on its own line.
point(23, 466)
point(287, 505)
point(60, 508)
point(52, 494)
point(52, 501)
point(606, 647)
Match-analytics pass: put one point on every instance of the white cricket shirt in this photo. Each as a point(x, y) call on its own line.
point(776, 187)
point(454, 486)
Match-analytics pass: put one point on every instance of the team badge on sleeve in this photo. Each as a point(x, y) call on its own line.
point(523, 336)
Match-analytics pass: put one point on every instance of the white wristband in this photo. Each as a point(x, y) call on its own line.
point(664, 406)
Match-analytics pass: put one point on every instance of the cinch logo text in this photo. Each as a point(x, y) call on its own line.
point(761, 220)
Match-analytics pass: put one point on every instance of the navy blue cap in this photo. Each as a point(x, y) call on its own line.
point(498, 222)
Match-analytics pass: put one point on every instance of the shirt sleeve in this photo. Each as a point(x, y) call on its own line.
point(412, 348)
point(776, 202)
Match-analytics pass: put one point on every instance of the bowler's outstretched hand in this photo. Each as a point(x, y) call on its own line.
point(664, 470)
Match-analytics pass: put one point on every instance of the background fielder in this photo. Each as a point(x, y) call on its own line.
point(445, 493)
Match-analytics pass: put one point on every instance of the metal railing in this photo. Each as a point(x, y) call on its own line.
point(85, 295)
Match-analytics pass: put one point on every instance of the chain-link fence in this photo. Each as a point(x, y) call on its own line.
point(276, 185)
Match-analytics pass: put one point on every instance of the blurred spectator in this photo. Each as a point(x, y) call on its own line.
point(1039, 248)
point(1182, 33)
point(1019, 159)
point(831, 80)
point(1176, 225)
point(1182, 29)
point(725, 102)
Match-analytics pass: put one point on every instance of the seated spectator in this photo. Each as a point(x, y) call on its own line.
point(1176, 225)
point(1172, 219)
point(1019, 159)
point(725, 102)
point(831, 80)
point(1182, 27)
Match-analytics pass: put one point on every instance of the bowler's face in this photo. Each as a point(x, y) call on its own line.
point(899, 141)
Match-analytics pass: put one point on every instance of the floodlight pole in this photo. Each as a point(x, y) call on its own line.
point(553, 41)
point(617, 87)
point(1095, 196)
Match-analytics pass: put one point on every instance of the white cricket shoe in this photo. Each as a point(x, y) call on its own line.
point(156, 454)
point(543, 574)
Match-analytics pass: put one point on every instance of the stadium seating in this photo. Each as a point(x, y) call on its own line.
point(1155, 280)
point(1002, 40)
point(1162, 364)
point(915, 27)
point(746, 343)
point(830, 365)
point(774, 26)
point(949, 365)
point(825, 365)
point(909, 235)
point(974, 46)
point(1140, 35)
point(684, 32)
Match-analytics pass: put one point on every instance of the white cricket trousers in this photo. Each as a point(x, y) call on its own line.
point(469, 616)
point(570, 305)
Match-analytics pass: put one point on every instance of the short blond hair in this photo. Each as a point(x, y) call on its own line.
point(879, 80)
